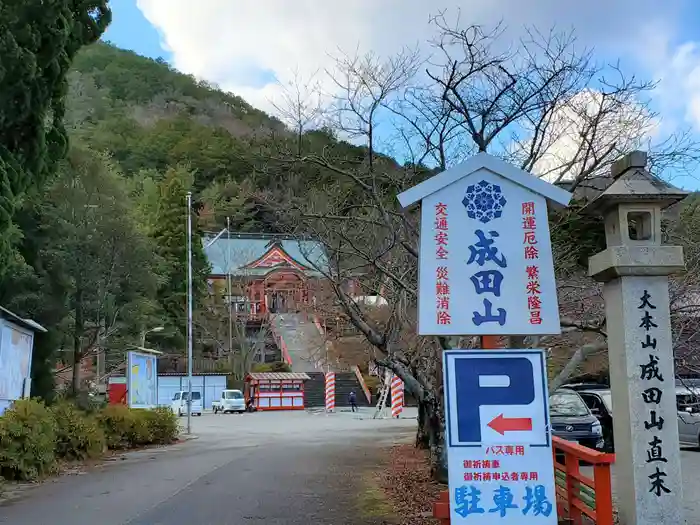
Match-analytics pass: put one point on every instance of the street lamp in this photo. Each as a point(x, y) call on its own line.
point(143, 334)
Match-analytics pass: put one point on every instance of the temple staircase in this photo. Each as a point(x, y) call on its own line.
point(345, 382)
point(302, 341)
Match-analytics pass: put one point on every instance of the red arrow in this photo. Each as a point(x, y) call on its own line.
point(511, 424)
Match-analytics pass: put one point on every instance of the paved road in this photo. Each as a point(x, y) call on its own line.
point(258, 469)
point(254, 469)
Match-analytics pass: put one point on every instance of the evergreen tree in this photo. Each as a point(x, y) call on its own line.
point(170, 235)
point(38, 41)
point(92, 281)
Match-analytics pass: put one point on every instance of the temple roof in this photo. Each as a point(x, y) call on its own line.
point(259, 255)
point(278, 376)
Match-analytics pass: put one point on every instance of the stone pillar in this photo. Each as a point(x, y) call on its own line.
point(635, 268)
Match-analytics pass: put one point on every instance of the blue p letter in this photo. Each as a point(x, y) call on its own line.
point(470, 395)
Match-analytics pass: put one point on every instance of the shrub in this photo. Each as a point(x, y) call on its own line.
point(141, 433)
point(163, 425)
point(78, 434)
point(117, 421)
point(89, 403)
point(27, 441)
point(127, 428)
point(33, 437)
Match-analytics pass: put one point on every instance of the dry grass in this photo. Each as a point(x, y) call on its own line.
point(373, 501)
point(408, 485)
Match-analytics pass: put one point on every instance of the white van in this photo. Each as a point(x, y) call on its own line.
point(179, 404)
point(230, 401)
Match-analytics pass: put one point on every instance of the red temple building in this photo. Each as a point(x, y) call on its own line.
point(278, 286)
point(269, 273)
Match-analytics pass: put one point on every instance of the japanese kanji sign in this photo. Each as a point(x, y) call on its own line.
point(650, 373)
point(499, 449)
point(485, 254)
point(651, 390)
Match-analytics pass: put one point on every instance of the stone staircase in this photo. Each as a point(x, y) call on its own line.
point(315, 390)
point(304, 343)
point(306, 348)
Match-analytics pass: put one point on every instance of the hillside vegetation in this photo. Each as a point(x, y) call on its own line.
point(151, 117)
point(102, 255)
point(143, 135)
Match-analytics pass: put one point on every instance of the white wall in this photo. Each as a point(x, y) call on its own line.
point(209, 386)
point(15, 362)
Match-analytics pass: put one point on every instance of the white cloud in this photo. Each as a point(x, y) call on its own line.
point(674, 62)
point(620, 125)
point(679, 83)
point(244, 45)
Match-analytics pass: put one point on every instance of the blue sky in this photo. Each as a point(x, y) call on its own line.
point(246, 46)
point(131, 30)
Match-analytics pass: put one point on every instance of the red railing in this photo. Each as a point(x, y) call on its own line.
point(361, 379)
point(319, 327)
point(282, 345)
point(579, 495)
point(580, 499)
point(285, 353)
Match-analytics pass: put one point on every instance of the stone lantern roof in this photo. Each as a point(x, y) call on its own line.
point(634, 184)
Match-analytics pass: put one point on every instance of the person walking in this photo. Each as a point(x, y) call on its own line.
point(353, 401)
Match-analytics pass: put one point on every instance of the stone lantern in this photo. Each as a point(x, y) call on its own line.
point(634, 269)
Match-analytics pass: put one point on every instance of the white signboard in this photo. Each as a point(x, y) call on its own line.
point(499, 447)
point(142, 380)
point(485, 252)
point(486, 260)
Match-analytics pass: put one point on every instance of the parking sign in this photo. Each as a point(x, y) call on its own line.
point(498, 438)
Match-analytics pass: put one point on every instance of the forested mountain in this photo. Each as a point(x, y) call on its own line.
point(103, 248)
point(151, 117)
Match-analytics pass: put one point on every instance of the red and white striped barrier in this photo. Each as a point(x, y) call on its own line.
point(396, 396)
point(330, 391)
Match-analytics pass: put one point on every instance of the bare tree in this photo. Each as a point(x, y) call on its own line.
point(543, 105)
point(428, 128)
point(301, 105)
point(365, 84)
point(546, 105)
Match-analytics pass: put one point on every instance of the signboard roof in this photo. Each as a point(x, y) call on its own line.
point(480, 161)
point(26, 323)
point(278, 376)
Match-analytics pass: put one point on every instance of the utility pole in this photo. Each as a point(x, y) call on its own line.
point(228, 279)
point(189, 312)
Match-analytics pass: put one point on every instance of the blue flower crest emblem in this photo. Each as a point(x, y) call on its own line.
point(484, 201)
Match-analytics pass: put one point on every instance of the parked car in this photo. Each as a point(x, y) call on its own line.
point(572, 420)
point(230, 401)
point(599, 401)
point(688, 406)
point(179, 403)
